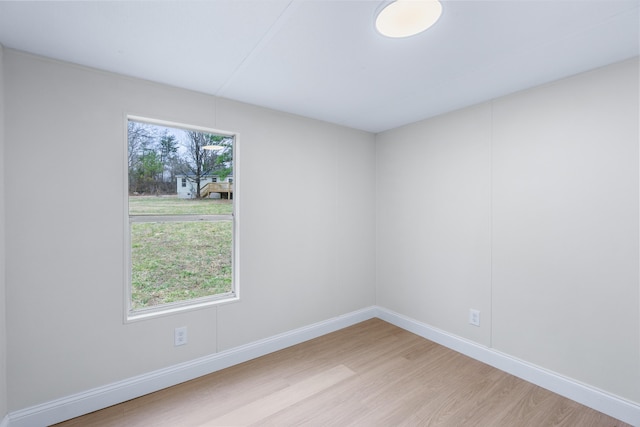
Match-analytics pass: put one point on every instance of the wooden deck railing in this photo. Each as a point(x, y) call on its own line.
point(216, 187)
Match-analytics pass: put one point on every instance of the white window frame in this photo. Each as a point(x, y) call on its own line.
point(192, 304)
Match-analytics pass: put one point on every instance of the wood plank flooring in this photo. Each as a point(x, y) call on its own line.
point(370, 374)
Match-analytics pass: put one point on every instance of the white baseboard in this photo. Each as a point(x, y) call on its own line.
point(102, 397)
point(98, 398)
point(592, 397)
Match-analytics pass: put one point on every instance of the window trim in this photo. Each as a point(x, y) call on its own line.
point(168, 309)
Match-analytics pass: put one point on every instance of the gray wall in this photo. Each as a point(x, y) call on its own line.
point(307, 253)
point(525, 208)
point(3, 318)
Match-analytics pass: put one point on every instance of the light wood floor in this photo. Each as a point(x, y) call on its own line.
point(370, 374)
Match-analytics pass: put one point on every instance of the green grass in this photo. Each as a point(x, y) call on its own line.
point(178, 261)
point(172, 205)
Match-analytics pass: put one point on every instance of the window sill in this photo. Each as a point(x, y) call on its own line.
point(179, 307)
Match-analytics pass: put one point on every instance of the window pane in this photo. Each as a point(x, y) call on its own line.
point(180, 209)
point(186, 163)
point(177, 261)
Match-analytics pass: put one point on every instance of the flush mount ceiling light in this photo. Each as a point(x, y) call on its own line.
point(404, 18)
point(213, 147)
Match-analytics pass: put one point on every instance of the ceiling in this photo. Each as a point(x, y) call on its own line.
point(323, 58)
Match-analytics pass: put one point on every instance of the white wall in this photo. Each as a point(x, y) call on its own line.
point(565, 235)
point(433, 215)
point(525, 208)
point(318, 230)
point(306, 254)
point(3, 330)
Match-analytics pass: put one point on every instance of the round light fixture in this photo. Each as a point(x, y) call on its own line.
point(213, 147)
point(404, 18)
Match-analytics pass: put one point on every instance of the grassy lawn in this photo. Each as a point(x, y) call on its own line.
point(177, 261)
point(167, 205)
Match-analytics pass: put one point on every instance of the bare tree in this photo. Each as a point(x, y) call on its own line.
point(141, 139)
point(199, 161)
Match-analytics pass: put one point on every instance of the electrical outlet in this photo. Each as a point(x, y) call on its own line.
point(180, 336)
point(474, 317)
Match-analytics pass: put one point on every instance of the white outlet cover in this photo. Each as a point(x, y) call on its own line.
point(474, 317)
point(180, 336)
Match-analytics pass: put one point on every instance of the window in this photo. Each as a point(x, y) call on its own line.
point(180, 238)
